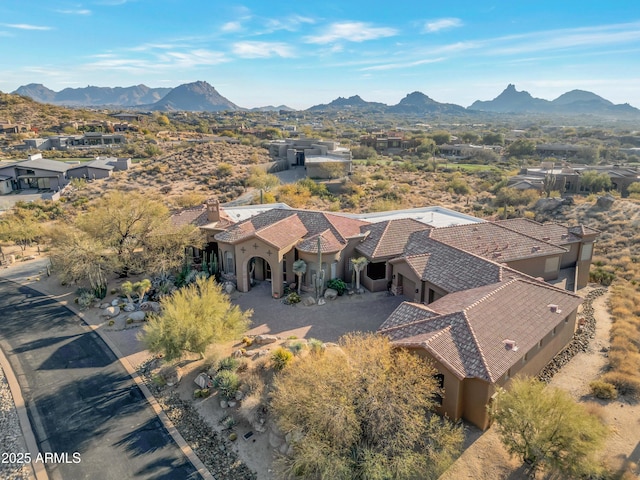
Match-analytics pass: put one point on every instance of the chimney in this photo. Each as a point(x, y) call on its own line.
point(213, 210)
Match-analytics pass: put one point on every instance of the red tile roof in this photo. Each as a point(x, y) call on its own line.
point(495, 242)
point(388, 238)
point(467, 330)
point(281, 225)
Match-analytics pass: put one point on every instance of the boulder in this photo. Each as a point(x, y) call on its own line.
point(129, 307)
point(203, 381)
point(321, 301)
point(330, 294)
point(171, 374)
point(232, 403)
point(111, 312)
point(275, 440)
point(102, 306)
point(308, 301)
point(224, 404)
point(115, 302)
point(137, 316)
point(605, 201)
point(548, 204)
point(229, 287)
point(239, 395)
point(150, 307)
point(265, 339)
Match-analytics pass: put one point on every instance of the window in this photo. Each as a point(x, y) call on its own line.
point(587, 248)
point(229, 266)
point(377, 271)
point(551, 264)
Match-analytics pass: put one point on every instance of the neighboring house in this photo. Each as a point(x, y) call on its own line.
point(480, 338)
point(64, 142)
point(297, 150)
point(36, 173)
point(566, 178)
point(101, 167)
point(387, 143)
point(461, 151)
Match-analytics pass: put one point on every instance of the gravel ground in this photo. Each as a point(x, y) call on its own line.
point(11, 440)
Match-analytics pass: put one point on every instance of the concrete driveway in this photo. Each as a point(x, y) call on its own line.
point(356, 313)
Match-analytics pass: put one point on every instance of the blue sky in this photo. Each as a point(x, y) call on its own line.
point(300, 54)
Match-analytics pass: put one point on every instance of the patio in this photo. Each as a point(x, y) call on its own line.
point(328, 322)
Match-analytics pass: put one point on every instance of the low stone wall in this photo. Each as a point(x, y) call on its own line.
point(580, 341)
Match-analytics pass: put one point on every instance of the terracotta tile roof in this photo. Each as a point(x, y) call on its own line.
point(283, 233)
point(469, 332)
point(307, 226)
point(388, 238)
point(549, 232)
point(329, 243)
point(447, 267)
point(191, 216)
point(493, 241)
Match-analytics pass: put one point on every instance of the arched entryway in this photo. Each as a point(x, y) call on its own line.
point(257, 270)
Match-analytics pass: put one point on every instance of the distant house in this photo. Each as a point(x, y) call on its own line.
point(65, 142)
point(101, 167)
point(567, 177)
point(387, 143)
point(323, 159)
point(461, 151)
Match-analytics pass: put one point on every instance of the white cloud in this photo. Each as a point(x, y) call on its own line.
point(194, 58)
point(231, 27)
point(263, 50)
point(394, 66)
point(161, 62)
point(79, 11)
point(26, 26)
point(352, 32)
point(291, 23)
point(432, 26)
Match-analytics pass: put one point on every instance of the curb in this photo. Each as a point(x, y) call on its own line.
point(166, 422)
point(37, 469)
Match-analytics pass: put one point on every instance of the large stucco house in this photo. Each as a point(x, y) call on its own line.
point(477, 298)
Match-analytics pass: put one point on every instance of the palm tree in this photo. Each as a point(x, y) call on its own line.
point(358, 265)
point(299, 268)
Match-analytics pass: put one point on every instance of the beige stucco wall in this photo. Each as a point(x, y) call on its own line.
point(536, 267)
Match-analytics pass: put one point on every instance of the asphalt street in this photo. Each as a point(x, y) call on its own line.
point(90, 419)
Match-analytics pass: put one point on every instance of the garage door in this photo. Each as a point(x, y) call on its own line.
point(408, 288)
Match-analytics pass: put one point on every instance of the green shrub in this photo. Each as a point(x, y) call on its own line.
point(338, 285)
point(603, 390)
point(601, 276)
point(229, 363)
point(85, 300)
point(296, 347)
point(111, 323)
point(280, 358)
point(293, 298)
point(159, 380)
point(233, 437)
point(201, 393)
point(227, 383)
point(624, 383)
point(316, 346)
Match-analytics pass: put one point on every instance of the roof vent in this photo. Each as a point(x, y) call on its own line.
point(564, 236)
point(546, 239)
point(535, 248)
point(554, 308)
point(510, 345)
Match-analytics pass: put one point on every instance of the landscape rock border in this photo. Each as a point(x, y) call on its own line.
point(579, 342)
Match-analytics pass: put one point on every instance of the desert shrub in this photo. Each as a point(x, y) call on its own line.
point(603, 390)
point(243, 364)
point(85, 300)
point(250, 407)
point(316, 346)
point(247, 341)
point(191, 199)
point(625, 384)
point(252, 383)
point(228, 422)
point(201, 392)
point(338, 285)
point(601, 276)
point(293, 298)
point(296, 347)
point(227, 382)
point(228, 363)
point(280, 358)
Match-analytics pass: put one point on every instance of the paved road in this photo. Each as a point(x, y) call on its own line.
point(80, 398)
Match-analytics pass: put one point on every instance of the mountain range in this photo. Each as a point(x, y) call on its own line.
point(201, 96)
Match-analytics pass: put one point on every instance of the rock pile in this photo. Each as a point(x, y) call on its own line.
point(216, 452)
point(11, 438)
point(580, 341)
